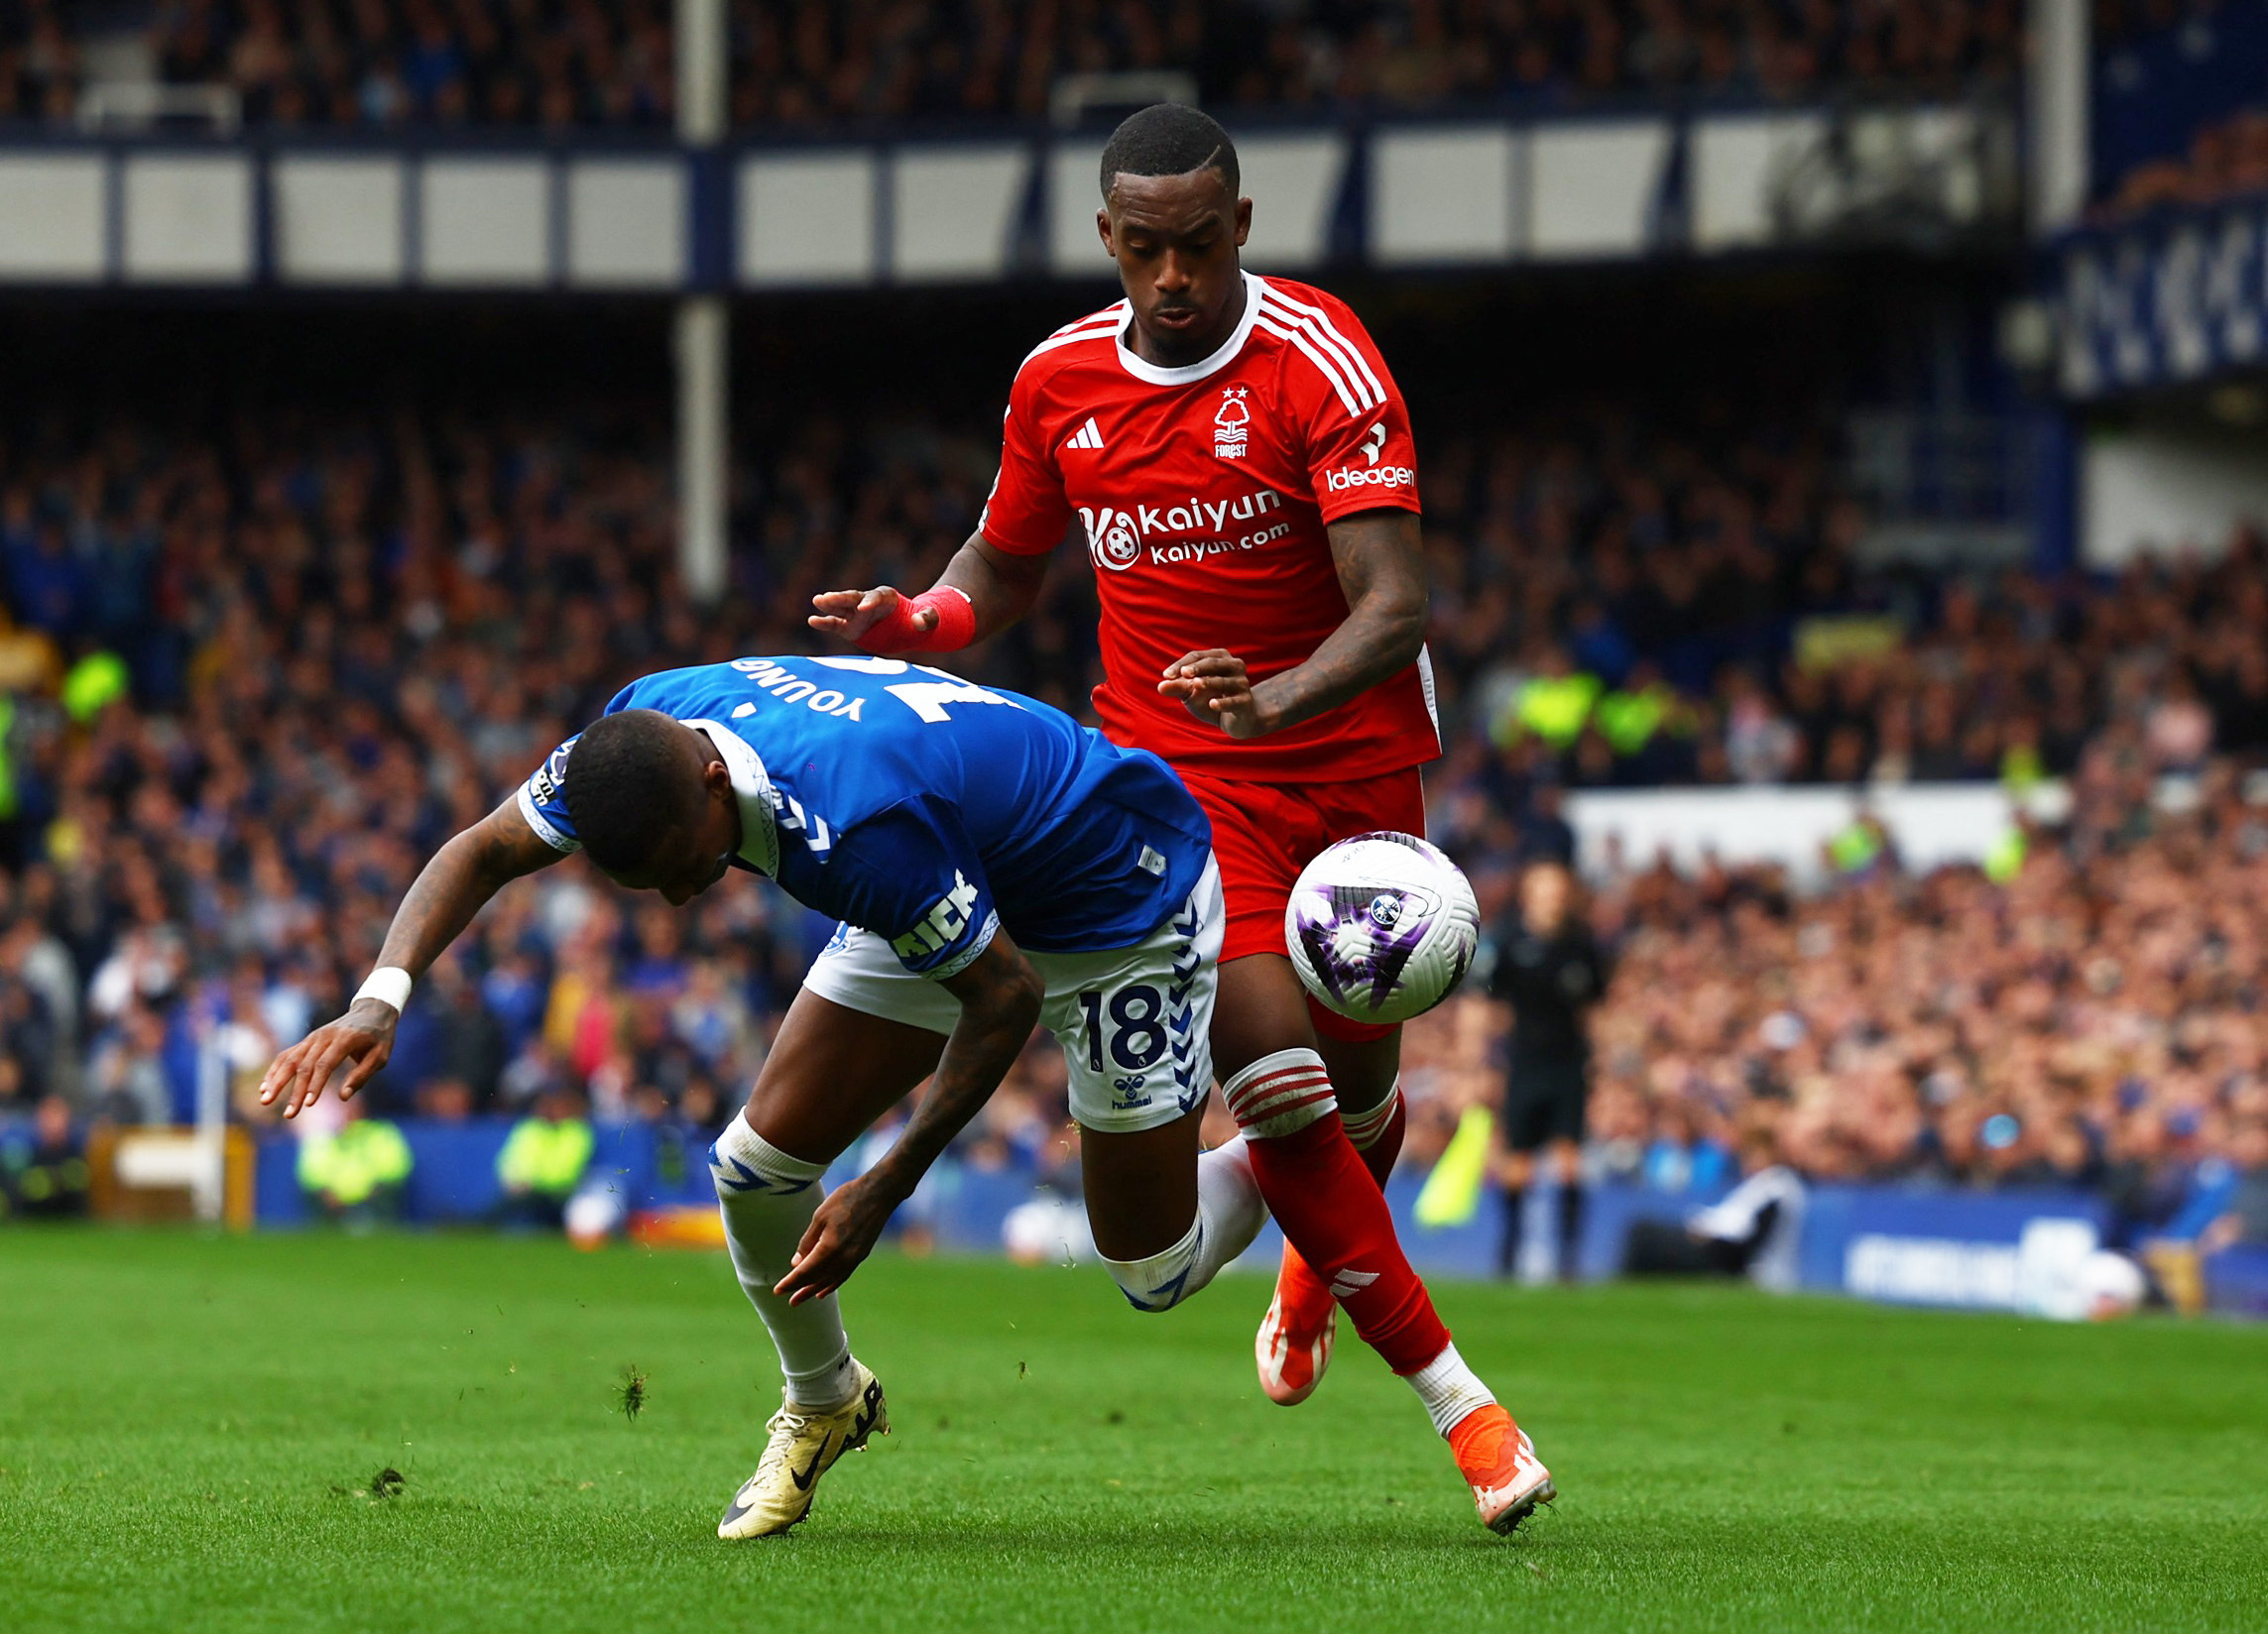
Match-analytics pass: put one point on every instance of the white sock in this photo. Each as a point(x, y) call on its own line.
point(1230, 1214)
point(1228, 1205)
point(1449, 1389)
point(1166, 1279)
point(766, 1199)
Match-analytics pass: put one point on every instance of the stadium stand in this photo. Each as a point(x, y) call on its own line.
point(263, 666)
point(2181, 114)
point(559, 65)
point(2079, 1025)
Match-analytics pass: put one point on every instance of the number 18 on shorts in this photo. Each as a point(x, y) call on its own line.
point(1133, 1023)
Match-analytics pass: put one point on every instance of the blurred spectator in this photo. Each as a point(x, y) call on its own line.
point(353, 1175)
point(2246, 1218)
point(126, 1080)
point(41, 72)
point(543, 1162)
point(43, 1169)
point(1753, 1231)
point(469, 1046)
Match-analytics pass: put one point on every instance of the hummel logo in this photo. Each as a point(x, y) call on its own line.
point(1089, 435)
point(1348, 1283)
point(810, 1470)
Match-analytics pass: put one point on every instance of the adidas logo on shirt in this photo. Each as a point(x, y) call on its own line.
point(1089, 435)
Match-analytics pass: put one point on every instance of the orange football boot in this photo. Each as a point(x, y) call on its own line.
point(1499, 1465)
point(1293, 1345)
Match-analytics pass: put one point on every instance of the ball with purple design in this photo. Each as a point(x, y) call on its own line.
point(1382, 927)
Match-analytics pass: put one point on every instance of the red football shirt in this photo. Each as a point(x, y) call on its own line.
point(1204, 492)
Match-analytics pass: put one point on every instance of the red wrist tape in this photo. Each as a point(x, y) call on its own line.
point(955, 629)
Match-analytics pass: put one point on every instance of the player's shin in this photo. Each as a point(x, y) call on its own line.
point(1378, 1134)
point(1330, 1207)
point(766, 1199)
point(1230, 1214)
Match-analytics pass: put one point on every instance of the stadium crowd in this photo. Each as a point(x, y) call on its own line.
point(564, 63)
point(253, 676)
point(2087, 1019)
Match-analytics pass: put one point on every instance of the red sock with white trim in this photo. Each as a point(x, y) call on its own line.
point(1377, 1137)
point(1377, 1134)
point(1330, 1206)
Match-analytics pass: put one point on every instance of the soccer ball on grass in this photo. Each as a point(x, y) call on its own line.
point(1382, 927)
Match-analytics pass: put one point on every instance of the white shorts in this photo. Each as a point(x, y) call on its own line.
point(1136, 1023)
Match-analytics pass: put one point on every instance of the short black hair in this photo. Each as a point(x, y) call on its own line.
point(1169, 139)
point(622, 779)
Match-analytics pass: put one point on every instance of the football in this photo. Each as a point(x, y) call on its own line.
point(1382, 927)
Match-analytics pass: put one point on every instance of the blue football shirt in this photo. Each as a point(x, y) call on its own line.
point(909, 802)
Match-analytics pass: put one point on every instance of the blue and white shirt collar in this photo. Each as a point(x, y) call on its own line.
point(759, 831)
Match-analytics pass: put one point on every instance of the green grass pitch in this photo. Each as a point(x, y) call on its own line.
point(189, 1427)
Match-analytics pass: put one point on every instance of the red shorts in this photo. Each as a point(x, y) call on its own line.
point(1264, 833)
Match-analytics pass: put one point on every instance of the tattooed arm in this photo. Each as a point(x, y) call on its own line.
point(1380, 559)
point(453, 886)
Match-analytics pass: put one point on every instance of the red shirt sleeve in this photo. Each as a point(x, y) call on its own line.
point(1359, 452)
point(1026, 513)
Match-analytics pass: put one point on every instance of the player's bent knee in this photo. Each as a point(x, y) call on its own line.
point(749, 1171)
point(1280, 1094)
point(1163, 1280)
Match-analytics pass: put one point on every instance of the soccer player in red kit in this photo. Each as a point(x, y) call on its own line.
point(1239, 464)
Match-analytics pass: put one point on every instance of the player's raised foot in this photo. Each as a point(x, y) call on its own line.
point(1499, 1463)
point(803, 1446)
point(1293, 1345)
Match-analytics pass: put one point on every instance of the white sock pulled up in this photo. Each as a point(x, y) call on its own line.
point(766, 1199)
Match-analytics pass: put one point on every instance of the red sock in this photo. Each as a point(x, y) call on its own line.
point(1385, 1145)
point(1332, 1211)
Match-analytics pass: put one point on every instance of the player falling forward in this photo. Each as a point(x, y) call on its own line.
point(1240, 463)
point(994, 866)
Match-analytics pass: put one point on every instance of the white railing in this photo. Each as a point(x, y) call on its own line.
point(141, 105)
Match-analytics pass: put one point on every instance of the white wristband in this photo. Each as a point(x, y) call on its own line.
point(389, 984)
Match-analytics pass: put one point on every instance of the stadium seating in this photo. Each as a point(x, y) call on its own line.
point(559, 65)
point(328, 655)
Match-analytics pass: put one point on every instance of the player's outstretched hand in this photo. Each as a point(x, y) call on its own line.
point(1216, 691)
point(849, 613)
point(359, 1041)
point(841, 1234)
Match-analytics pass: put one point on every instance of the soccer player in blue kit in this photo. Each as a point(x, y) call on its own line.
point(993, 865)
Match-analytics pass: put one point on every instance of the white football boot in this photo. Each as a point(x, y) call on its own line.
point(803, 1446)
